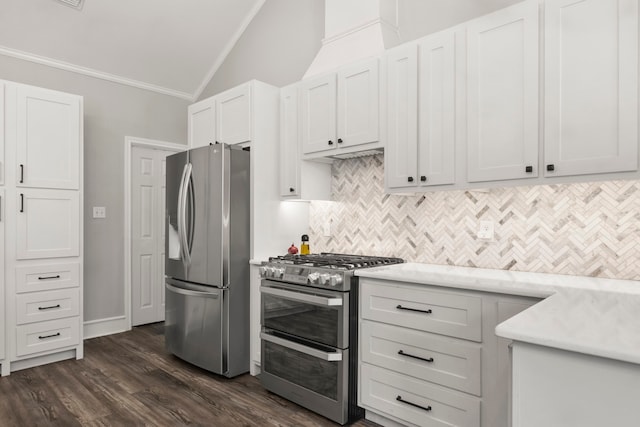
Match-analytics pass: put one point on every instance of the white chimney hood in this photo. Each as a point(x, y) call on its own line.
point(355, 29)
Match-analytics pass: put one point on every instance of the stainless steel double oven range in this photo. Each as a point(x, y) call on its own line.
point(309, 341)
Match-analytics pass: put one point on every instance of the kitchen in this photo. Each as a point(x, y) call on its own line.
point(578, 225)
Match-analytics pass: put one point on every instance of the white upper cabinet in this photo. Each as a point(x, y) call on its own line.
point(233, 115)
point(420, 148)
point(48, 138)
point(436, 115)
point(591, 86)
point(299, 179)
point(202, 123)
point(2, 135)
point(47, 224)
point(502, 94)
point(402, 117)
point(223, 118)
point(341, 110)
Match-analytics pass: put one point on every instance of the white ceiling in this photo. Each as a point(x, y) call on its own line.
point(170, 46)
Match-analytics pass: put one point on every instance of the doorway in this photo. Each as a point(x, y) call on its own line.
point(145, 200)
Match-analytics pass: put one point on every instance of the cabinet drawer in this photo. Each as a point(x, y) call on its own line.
point(47, 336)
point(41, 306)
point(414, 401)
point(422, 308)
point(47, 277)
point(446, 361)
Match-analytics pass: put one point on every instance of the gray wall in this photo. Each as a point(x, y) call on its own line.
point(111, 112)
point(276, 48)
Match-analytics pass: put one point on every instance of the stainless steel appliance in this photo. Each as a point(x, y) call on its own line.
point(207, 258)
point(309, 312)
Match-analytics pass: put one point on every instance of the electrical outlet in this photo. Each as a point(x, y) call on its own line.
point(326, 229)
point(485, 232)
point(99, 212)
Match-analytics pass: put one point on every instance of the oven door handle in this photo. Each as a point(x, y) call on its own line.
point(302, 297)
point(318, 354)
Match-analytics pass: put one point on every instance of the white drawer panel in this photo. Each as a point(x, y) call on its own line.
point(446, 361)
point(46, 277)
point(422, 308)
point(47, 336)
point(41, 306)
point(381, 391)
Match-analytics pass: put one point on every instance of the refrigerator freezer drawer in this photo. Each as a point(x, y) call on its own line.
point(194, 325)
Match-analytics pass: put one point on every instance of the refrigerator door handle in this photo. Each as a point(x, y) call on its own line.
point(183, 208)
point(190, 292)
point(181, 191)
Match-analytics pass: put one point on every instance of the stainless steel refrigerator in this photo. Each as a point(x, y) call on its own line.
point(207, 258)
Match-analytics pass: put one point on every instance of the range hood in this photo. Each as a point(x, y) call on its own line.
point(355, 29)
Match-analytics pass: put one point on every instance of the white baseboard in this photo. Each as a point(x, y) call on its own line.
point(102, 327)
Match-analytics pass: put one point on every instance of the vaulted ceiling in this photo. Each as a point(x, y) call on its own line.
point(170, 46)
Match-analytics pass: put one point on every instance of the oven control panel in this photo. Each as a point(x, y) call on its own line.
point(310, 276)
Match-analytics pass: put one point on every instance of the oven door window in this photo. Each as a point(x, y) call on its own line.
point(303, 367)
point(317, 317)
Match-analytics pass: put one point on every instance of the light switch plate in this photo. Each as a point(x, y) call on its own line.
point(326, 229)
point(99, 212)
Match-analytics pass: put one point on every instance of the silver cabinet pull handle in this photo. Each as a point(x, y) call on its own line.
point(318, 354)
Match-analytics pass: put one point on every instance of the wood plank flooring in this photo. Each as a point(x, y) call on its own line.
point(128, 379)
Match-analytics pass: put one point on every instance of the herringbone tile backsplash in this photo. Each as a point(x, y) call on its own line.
point(586, 229)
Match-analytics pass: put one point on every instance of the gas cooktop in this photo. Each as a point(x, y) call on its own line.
point(333, 260)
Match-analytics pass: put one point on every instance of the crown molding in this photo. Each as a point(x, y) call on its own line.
point(228, 47)
point(93, 73)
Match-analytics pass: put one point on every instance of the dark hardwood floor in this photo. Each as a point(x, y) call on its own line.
point(128, 379)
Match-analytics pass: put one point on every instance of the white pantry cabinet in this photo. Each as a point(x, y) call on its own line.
point(42, 218)
point(340, 111)
point(591, 87)
point(502, 94)
point(47, 138)
point(2, 136)
point(429, 356)
point(420, 145)
point(223, 118)
point(299, 179)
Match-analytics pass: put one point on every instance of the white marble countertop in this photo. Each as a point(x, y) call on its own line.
point(595, 316)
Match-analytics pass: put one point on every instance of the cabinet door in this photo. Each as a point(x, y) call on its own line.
point(502, 94)
point(402, 117)
point(2, 270)
point(2, 133)
point(202, 123)
point(318, 114)
point(48, 138)
point(47, 224)
point(436, 123)
point(289, 158)
point(358, 104)
point(233, 115)
point(591, 86)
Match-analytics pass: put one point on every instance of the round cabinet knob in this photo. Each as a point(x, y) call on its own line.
point(291, 189)
point(423, 178)
point(335, 280)
point(313, 277)
point(324, 279)
point(339, 140)
point(410, 179)
point(330, 142)
point(262, 271)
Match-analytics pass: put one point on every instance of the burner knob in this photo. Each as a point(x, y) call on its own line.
point(324, 279)
point(262, 271)
point(335, 280)
point(313, 277)
point(278, 273)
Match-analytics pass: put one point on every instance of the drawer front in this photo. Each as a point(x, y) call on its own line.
point(446, 361)
point(41, 306)
point(422, 308)
point(414, 401)
point(34, 278)
point(47, 336)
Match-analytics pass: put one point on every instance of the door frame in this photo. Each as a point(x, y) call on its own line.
point(129, 143)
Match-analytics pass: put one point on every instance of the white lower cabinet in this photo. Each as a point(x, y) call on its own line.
point(47, 336)
point(429, 355)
